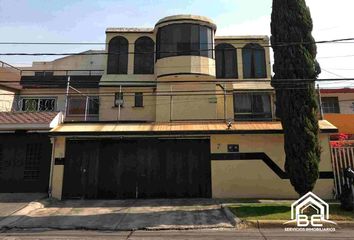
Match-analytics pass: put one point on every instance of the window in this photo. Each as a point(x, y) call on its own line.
point(184, 39)
point(117, 56)
point(38, 104)
point(43, 74)
point(252, 106)
point(32, 161)
point(226, 61)
point(139, 102)
point(254, 66)
point(119, 100)
point(144, 56)
point(330, 105)
point(83, 105)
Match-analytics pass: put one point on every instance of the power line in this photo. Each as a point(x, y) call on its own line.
point(255, 80)
point(343, 56)
point(193, 93)
point(131, 53)
point(341, 40)
point(162, 52)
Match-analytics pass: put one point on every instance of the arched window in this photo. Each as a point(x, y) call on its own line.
point(117, 56)
point(144, 56)
point(226, 61)
point(254, 63)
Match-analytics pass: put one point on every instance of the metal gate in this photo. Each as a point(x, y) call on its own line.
point(342, 158)
point(137, 168)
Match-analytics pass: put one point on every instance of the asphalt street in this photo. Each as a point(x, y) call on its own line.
point(157, 235)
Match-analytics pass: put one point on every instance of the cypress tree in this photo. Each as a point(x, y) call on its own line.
point(294, 65)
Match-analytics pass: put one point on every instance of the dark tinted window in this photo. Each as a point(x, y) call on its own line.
point(254, 63)
point(144, 56)
point(43, 74)
point(226, 61)
point(184, 39)
point(77, 105)
point(117, 56)
point(139, 102)
point(252, 106)
point(330, 105)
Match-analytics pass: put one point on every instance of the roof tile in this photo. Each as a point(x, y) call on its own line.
point(27, 117)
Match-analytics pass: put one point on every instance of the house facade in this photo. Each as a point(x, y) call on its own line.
point(9, 86)
point(338, 108)
point(165, 112)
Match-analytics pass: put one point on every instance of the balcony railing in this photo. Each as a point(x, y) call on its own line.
point(59, 78)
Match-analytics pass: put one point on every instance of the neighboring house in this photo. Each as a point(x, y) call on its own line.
point(9, 86)
point(175, 112)
point(338, 108)
point(45, 85)
point(25, 150)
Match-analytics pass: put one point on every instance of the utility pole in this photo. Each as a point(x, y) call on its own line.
point(86, 107)
point(67, 96)
point(119, 102)
point(320, 101)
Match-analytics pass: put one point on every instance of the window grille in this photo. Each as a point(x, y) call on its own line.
point(32, 161)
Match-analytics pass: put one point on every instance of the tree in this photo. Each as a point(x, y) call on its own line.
point(296, 69)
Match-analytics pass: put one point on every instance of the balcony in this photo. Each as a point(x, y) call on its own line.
point(59, 78)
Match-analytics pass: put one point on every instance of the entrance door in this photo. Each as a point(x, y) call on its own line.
point(117, 170)
point(81, 168)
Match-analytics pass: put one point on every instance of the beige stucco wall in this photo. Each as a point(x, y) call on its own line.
point(253, 178)
point(58, 170)
point(6, 100)
point(179, 65)
point(183, 105)
point(108, 112)
point(76, 62)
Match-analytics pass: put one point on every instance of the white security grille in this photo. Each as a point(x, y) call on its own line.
point(342, 158)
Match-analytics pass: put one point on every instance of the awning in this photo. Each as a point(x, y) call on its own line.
point(178, 128)
point(29, 121)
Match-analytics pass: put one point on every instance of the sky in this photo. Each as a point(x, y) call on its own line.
point(86, 21)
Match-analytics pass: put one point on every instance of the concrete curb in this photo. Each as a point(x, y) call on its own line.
point(280, 224)
point(234, 220)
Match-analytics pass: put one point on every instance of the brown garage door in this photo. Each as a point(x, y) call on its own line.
point(141, 168)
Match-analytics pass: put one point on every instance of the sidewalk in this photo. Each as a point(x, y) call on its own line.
point(12, 202)
point(177, 214)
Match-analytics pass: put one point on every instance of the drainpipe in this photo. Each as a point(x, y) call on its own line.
point(52, 140)
point(120, 102)
point(320, 101)
point(223, 88)
point(171, 104)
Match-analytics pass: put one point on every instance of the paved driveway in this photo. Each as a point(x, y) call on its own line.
point(12, 202)
point(125, 215)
